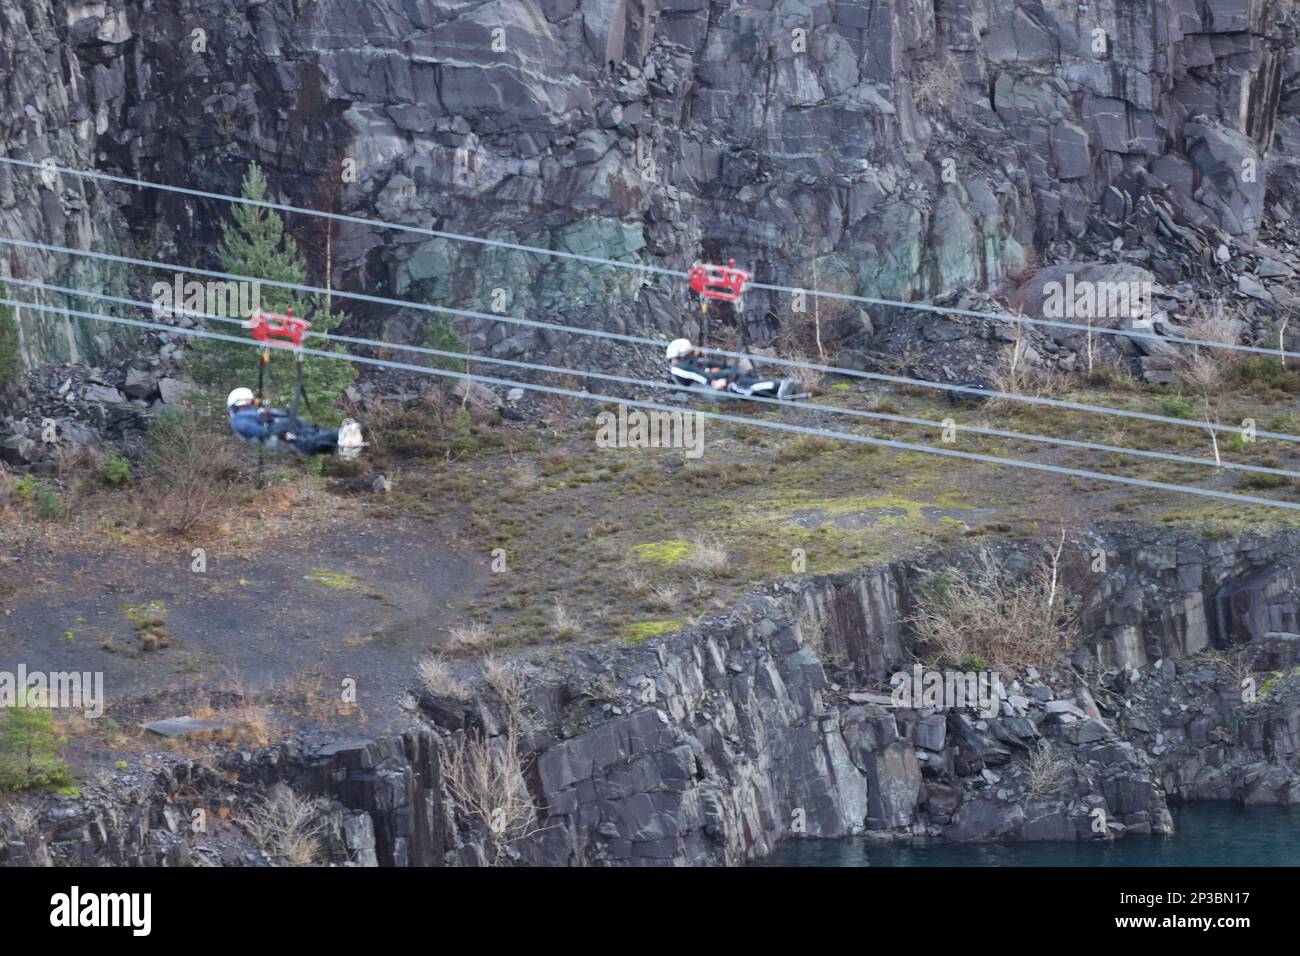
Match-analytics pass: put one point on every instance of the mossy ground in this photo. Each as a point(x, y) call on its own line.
point(599, 543)
point(608, 533)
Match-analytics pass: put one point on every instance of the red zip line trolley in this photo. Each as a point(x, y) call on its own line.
point(266, 326)
point(724, 283)
point(274, 328)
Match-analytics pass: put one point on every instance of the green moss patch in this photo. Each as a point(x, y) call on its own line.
point(638, 631)
point(338, 580)
point(666, 552)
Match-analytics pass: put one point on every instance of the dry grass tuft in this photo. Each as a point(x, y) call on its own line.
point(708, 555)
point(469, 639)
point(287, 826)
point(664, 597)
point(1016, 376)
point(564, 625)
point(1047, 771)
point(437, 678)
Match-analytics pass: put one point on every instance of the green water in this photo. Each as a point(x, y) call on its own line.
point(1206, 834)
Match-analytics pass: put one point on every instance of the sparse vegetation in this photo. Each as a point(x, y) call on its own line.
point(116, 470)
point(937, 84)
point(638, 631)
point(1263, 481)
point(665, 552)
point(472, 638)
point(708, 555)
point(438, 679)
point(563, 624)
point(442, 336)
point(485, 776)
point(335, 580)
point(1047, 771)
point(10, 364)
point(24, 488)
point(987, 611)
point(1175, 406)
point(1264, 374)
point(150, 620)
point(43, 499)
point(48, 504)
point(189, 470)
point(287, 826)
point(30, 751)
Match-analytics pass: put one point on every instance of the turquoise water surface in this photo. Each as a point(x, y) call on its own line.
point(1207, 834)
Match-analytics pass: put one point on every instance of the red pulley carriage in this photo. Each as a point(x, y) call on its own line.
point(724, 283)
point(266, 326)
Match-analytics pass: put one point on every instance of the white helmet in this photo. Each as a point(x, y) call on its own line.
point(240, 396)
point(678, 348)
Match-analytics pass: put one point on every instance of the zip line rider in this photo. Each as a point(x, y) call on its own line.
point(689, 367)
point(271, 427)
point(692, 369)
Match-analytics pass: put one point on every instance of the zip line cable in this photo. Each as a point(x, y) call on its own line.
point(657, 343)
point(338, 217)
point(647, 383)
point(635, 266)
point(657, 406)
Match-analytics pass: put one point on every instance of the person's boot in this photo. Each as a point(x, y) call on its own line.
point(350, 442)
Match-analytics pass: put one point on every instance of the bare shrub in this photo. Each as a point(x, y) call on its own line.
point(1047, 771)
point(702, 589)
point(507, 678)
point(188, 471)
point(989, 614)
point(248, 724)
point(287, 826)
point(937, 84)
point(1113, 375)
point(810, 333)
point(1206, 367)
point(25, 815)
point(438, 679)
point(708, 555)
point(1238, 667)
point(485, 776)
point(810, 378)
point(78, 460)
point(1015, 375)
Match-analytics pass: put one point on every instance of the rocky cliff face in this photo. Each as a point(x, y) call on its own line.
point(713, 746)
point(905, 148)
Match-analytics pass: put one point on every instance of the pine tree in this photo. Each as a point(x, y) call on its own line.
point(29, 749)
point(10, 364)
point(440, 334)
point(253, 243)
